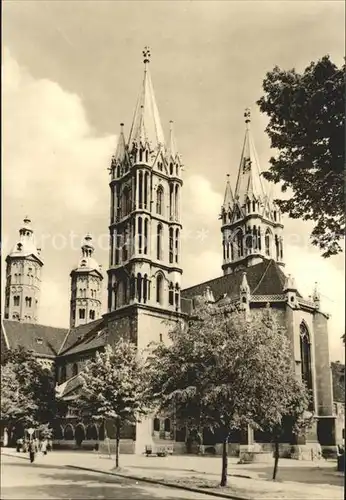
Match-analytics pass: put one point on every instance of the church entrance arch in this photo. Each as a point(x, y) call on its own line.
point(79, 434)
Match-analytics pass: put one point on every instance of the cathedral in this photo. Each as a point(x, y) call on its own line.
point(144, 283)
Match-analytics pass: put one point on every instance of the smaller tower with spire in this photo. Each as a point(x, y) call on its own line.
point(86, 290)
point(23, 277)
point(251, 222)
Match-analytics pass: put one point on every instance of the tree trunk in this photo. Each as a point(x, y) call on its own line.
point(224, 462)
point(117, 442)
point(276, 457)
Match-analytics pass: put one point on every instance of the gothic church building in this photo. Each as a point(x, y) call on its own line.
point(145, 296)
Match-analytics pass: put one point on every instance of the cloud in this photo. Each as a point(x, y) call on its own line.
point(48, 145)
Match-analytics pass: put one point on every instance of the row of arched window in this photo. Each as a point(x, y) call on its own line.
point(138, 288)
point(240, 243)
point(123, 244)
point(82, 293)
point(125, 203)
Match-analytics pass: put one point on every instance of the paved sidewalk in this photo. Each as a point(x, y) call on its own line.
point(296, 479)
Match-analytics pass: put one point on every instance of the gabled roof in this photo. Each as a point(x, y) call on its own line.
point(76, 337)
point(43, 340)
point(66, 389)
point(265, 278)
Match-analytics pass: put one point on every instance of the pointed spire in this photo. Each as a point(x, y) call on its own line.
point(228, 199)
point(120, 152)
point(316, 296)
point(172, 149)
point(249, 181)
point(146, 125)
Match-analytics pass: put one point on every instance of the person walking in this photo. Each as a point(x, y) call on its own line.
point(32, 450)
point(44, 445)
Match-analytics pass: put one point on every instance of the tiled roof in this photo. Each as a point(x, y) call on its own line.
point(69, 386)
point(265, 278)
point(77, 335)
point(96, 340)
point(43, 340)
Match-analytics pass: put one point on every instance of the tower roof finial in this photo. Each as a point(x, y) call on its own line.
point(247, 116)
point(146, 55)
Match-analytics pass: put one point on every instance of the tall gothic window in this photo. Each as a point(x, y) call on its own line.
point(159, 286)
point(159, 242)
point(177, 246)
point(305, 356)
point(140, 190)
point(268, 241)
point(139, 287)
point(277, 247)
point(146, 183)
point(16, 300)
point(159, 200)
point(171, 244)
point(240, 242)
point(171, 201)
point(145, 236)
point(176, 202)
point(140, 234)
point(171, 294)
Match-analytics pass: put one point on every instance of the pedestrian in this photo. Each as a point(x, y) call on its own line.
point(50, 445)
point(32, 450)
point(44, 445)
point(19, 445)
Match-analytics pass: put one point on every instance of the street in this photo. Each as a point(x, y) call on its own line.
point(22, 480)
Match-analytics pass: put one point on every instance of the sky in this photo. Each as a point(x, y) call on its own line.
point(71, 72)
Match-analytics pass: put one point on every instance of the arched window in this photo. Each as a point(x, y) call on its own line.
point(28, 301)
point(176, 202)
point(91, 432)
point(254, 237)
point(145, 236)
point(159, 166)
point(68, 432)
point(140, 234)
point(224, 249)
point(227, 251)
point(177, 234)
point(268, 241)
point(140, 190)
point(91, 314)
point(171, 294)
point(254, 206)
point(240, 242)
point(248, 204)
point(171, 200)
point(259, 241)
point(232, 252)
point(156, 424)
point(81, 313)
point(132, 287)
point(145, 288)
point(139, 287)
point(171, 168)
point(281, 249)
point(248, 240)
point(118, 171)
point(305, 356)
point(125, 202)
point(146, 183)
point(159, 200)
point(16, 300)
point(171, 245)
point(159, 286)
point(74, 369)
point(159, 242)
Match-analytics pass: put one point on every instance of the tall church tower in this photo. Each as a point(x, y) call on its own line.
point(251, 222)
point(23, 277)
point(86, 290)
point(145, 224)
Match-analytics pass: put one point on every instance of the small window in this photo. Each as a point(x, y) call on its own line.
point(160, 337)
point(39, 340)
point(74, 369)
point(16, 300)
point(92, 314)
point(156, 424)
point(81, 313)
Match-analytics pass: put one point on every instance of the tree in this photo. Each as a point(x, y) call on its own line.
point(307, 126)
point(28, 390)
point(114, 387)
point(224, 372)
